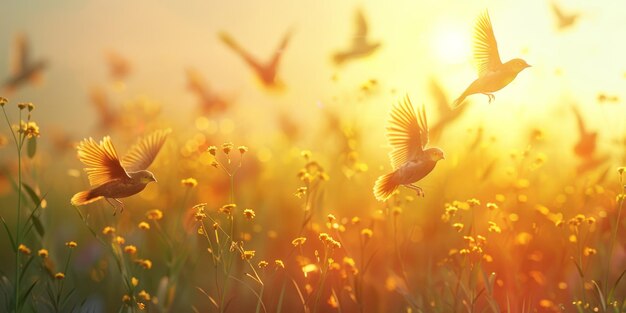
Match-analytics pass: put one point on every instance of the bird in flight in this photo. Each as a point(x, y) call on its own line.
point(586, 145)
point(112, 178)
point(407, 133)
point(446, 114)
point(563, 19)
point(109, 117)
point(266, 72)
point(493, 75)
point(361, 46)
point(209, 101)
point(119, 66)
point(23, 68)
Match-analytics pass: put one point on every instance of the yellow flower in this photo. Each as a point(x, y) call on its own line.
point(144, 295)
point(262, 264)
point(134, 281)
point(119, 240)
point(29, 129)
point(23, 249)
point(473, 202)
point(143, 225)
point(3, 101)
point(212, 150)
point(331, 218)
point(147, 264)
point(189, 182)
point(300, 192)
point(298, 241)
point(458, 226)
point(491, 206)
point(249, 213)
point(130, 249)
point(71, 244)
point(126, 299)
point(30, 106)
point(242, 149)
point(155, 214)
point(22, 105)
point(279, 263)
point(227, 208)
point(59, 275)
point(620, 170)
point(247, 254)
point(108, 230)
point(227, 146)
point(141, 306)
point(367, 233)
point(589, 251)
point(43, 253)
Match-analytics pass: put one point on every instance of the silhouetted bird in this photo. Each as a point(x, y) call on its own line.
point(408, 135)
point(564, 20)
point(209, 101)
point(108, 116)
point(361, 44)
point(111, 178)
point(493, 75)
point(23, 68)
point(586, 145)
point(119, 66)
point(447, 115)
point(266, 72)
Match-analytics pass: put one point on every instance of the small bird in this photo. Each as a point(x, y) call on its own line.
point(111, 178)
point(446, 114)
point(587, 140)
point(209, 101)
point(563, 19)
point(361, 44)
point(109, 117)
point(23, 69)
point(407, 133)
point(119, 66)
point(493, 75)
point(266, 72)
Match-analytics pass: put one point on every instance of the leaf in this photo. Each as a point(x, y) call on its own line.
point(28, 291)
point(600, 295)
point(610, 297)
point(25, 268)
point(32, 194)
point(6, 227)
point(31, 147)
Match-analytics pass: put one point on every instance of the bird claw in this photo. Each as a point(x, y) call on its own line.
point(115, 206)
point(418, 190)
point(491, 97)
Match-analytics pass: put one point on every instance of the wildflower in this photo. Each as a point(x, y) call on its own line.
point(189, 182)
point(300, 192)
point(473, 202)
point(126, 299)
point(331, 218)
point(30, 106)
point(134, 281)
point(298, 241)
point(458, 226)
point(227, 208)
point(249, 213)
point(23, 249)
point(620, 170)
point(396, 210)
point(491, 206)
point(242, 149)
point(130, 249)
point(59, 275)
point(591, 220)
point(144, 295)
point(212, 150)
point(355, 220)
point(143, 225)
point(29, 129)
point(367, 233)
point(262, 264)
point(247, 254)
point(119, 240)
point(587, 251)
point(226, 147)
point(306, 154)
point(494, 228)
point(43, 253)
point(279, 263)
point(3, 101)
point(147, 264)
point(154, 215)
point(71, 244)
point(141, 306)
point(22, 105)
point(201, 230)
point(108, 230)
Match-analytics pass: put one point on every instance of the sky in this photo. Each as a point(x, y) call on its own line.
point(421, 40)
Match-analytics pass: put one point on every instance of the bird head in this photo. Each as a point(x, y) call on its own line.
point(143, 177)
point(517, 65)
point(435, 154)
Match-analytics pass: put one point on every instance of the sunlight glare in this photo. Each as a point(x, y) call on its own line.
point(451, 45)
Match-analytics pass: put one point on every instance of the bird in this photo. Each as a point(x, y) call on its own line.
point(119, 66)
point(407, 133)
point(266, 72)
point(563, 19)
point(23, 68)
point(493, 75)
point(209, 101)
point(587, 140)
point(446, 114)
point(112, 178)
point(109, 117)
point(361, 46)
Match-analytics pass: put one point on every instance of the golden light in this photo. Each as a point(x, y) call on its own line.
point(451, 44)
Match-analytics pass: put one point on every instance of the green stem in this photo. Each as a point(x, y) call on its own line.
point(614, 236)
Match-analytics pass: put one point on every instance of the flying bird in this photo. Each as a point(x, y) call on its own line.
point(493, 75)
point(209, 101)
point(108, 116)
point(407, 133)
point(267, 71)
point(361, 46)
point(23, 68)
point(563, 19)
point(112, 178)
point(446, 114)
point(587, 140)
point(119, 66)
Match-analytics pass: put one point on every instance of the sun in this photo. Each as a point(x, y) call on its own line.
point(451, 44)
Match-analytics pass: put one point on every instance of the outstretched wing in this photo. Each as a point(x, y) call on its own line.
point(280, 49)
point(233, 45)
point(361, 30)
point(407, 133)
point(579, 121)
point(101, 160)
point(443, 105)
point(486, 56)
point(19, 60)
point(141, 155)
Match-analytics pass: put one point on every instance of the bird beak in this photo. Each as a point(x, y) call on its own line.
point(528, 65)
point(154, 179)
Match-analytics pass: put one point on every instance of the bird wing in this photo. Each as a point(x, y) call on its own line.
point(557, 11)
point(101, 160)
point(486, 54)
point(20, 55)
point(443, 105)
point(280, 49)
point(406, 133)
point(141, 155)
point(232, 44)
point(579, 121)
point(360, 34)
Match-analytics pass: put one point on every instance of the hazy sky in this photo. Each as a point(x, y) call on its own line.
point(420, 40)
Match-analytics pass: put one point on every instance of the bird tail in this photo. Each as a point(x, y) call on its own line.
point(385, 185)
point(459, 100)
point(84, 197)
point(339, 58)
